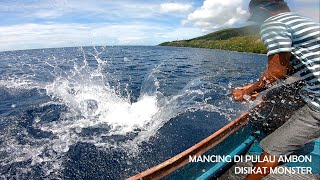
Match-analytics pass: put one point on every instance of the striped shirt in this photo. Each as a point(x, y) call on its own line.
point(289, 32)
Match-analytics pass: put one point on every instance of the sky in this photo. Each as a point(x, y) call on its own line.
point(32, 24)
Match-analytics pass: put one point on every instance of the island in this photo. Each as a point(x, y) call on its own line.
point(243, 39)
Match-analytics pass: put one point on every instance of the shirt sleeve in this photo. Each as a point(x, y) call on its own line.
point(276, 37)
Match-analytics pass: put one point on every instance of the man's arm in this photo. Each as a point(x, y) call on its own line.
point(278, 67)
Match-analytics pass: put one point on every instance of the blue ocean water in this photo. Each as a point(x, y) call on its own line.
point(111, 112)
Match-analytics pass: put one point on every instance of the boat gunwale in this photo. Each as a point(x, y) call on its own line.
point(198, 149)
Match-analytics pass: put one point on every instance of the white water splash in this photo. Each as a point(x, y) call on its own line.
point(92, 103)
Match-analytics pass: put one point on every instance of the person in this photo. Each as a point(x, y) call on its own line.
point(293, 44)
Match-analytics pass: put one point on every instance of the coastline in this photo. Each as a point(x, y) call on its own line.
point(244, 39)
point(214, 49)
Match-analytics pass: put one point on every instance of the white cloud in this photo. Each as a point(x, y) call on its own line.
point(46, 14)
point(30, 36)
point(214, 15)
point(48, 9)
point(116, 23)
point(175, 8)
point(26, 36)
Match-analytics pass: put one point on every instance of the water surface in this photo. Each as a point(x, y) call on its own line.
point(110, 112)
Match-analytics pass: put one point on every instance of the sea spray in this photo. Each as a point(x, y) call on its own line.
point(81, 98)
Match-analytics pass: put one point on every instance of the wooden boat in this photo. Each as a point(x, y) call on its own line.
point(239, 137)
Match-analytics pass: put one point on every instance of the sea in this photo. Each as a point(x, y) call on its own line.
point(111, 112)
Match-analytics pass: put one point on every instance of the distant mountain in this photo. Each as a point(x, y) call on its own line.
point(244, 39)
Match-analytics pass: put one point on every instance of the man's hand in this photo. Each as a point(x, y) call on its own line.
point(278, 67)
point(242, 93)
point(238, 94)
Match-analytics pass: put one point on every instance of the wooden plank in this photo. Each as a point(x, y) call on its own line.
point(203, 146)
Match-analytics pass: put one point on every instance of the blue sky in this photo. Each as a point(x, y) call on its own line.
point(29, 24)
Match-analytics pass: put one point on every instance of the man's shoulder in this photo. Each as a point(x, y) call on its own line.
point(281, 16)
point(271, 23)
point(279, 20)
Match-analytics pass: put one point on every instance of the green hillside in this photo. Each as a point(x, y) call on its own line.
point(244, 39)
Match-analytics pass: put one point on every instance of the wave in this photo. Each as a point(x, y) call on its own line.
point(85, 107)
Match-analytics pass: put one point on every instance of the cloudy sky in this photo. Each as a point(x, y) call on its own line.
point(29, 24)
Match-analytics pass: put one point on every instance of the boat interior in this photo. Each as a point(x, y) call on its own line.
point(241, 137)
